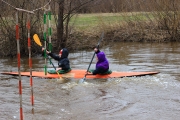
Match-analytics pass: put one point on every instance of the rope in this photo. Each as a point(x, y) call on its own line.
point(32, 11)
point(43, 6)
point(8, 4)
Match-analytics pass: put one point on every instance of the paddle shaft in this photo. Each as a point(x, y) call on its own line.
point(91, 61)
point(51, 63)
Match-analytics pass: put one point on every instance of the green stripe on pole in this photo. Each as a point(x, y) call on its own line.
point(45, 38)
point(45, 69)
point(45, 55)
point(49, 31)
point(49, 14)
point(44, 18)
point(50, 46)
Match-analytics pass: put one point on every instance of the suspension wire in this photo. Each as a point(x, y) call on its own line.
point(43, 6)
point(32, 11)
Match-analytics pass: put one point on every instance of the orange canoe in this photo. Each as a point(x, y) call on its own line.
point(81, 73)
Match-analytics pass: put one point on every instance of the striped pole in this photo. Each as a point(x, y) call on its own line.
point(30, 62)
point(19, 62)
point(45, 38)
point(49, 30)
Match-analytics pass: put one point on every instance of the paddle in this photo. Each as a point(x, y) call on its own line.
point(38, 42)
point(83, 79)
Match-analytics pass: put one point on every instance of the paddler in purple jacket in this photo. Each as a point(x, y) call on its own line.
point(102, 64)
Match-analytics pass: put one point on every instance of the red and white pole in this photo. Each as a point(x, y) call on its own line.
point(19, 63)
point(30, 62)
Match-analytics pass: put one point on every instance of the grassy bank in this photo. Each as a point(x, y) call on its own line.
point(131, 27)
point(105, 21)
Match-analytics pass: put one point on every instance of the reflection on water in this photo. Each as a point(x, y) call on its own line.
point(146, 97)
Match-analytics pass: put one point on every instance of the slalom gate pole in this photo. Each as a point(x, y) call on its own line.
point(49, 30)
point(19, 64)
point(47, 15)
point(30, 62)
point(45, 39)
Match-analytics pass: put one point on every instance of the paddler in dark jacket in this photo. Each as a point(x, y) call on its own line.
point(62, 58)
point(102, 64)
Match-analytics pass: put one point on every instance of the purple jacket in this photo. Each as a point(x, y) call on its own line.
point(102, 61)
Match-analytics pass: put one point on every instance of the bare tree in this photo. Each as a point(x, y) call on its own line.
point(67, 9)
point(8, 21)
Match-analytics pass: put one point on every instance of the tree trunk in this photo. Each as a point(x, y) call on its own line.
point(60, 26)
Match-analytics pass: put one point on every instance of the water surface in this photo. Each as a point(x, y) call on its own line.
point(154, 97)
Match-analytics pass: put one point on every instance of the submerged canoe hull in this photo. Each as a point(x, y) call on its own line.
point(81, 73)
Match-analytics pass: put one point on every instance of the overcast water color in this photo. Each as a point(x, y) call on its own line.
point(155, 97)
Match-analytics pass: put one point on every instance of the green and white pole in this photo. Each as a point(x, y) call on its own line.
point(49, 30)
point(45, 38)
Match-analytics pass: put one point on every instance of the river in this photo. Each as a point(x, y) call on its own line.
point(151, 97)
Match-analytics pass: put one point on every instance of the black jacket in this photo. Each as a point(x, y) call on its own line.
point(63, 61)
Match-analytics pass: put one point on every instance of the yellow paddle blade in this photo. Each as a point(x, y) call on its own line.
point(37, 40)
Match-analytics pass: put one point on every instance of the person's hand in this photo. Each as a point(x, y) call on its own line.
point(95, 49)
point(43, 49)
point(46, 50)
point(58, 69)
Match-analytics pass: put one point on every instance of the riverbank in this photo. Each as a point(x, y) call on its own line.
point(121, 27)
point(82, 40)
point(85, 30)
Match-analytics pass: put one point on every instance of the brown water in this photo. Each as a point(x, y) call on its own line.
point(154, 97)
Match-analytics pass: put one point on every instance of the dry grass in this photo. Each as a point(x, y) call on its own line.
point(95, 23)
